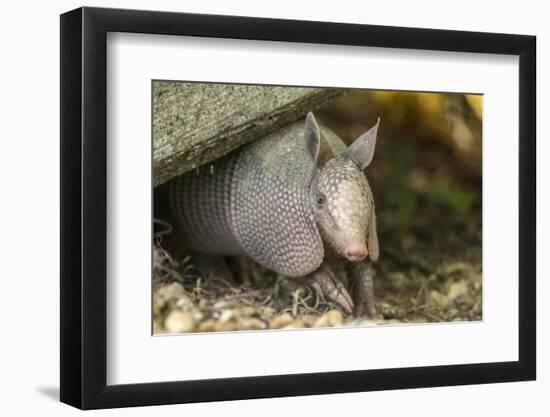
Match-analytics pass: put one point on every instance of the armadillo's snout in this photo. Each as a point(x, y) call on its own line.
point(356, 252)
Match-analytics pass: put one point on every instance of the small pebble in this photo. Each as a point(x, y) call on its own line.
point(330, 319)
point(457, 288)
point(281, 321)
point(220, 305)
point(226, 326)
point(247, 311)
point(197, 315)
point(184, 303)
point(310, 319)
point(296, 324)
point(251, 324)
point(452, 313)
point(157, 327)
point(179, 322)
point(207, 325)
point(266, 312)
point(464, 302)
point(440, 300)
point(226, 315)
point(172, 291)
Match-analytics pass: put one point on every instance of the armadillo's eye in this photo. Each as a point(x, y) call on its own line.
point(320, 201)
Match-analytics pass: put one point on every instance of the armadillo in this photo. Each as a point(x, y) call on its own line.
point(282, 200)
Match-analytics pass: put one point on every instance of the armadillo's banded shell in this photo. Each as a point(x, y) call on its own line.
point(254, 202)
point(272, 219)
point(201, 201)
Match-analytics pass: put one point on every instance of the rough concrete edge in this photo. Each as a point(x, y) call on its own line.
point(219, 145)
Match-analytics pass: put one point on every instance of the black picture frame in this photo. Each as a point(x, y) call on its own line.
point(84, 197)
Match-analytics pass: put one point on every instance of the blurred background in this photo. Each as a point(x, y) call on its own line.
point(426, 178)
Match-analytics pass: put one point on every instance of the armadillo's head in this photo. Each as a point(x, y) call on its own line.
point(340, 194)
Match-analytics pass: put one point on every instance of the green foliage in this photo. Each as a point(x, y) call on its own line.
point(402, 199)
point(443, 192)
point(403, 160)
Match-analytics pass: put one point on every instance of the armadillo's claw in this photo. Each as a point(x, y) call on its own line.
point(327, 285)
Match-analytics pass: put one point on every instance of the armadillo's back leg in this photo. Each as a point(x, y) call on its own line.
point(325, 283)
point(362, 288)
point(212, 266)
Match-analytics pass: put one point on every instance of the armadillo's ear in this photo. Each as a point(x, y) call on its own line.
point(362, 150)
point(316, 145)
point(372, 238)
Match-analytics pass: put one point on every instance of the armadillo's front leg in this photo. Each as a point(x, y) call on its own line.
point(362, 288)
point(325, 283)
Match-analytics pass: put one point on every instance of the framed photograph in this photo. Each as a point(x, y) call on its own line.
point(258, 208)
